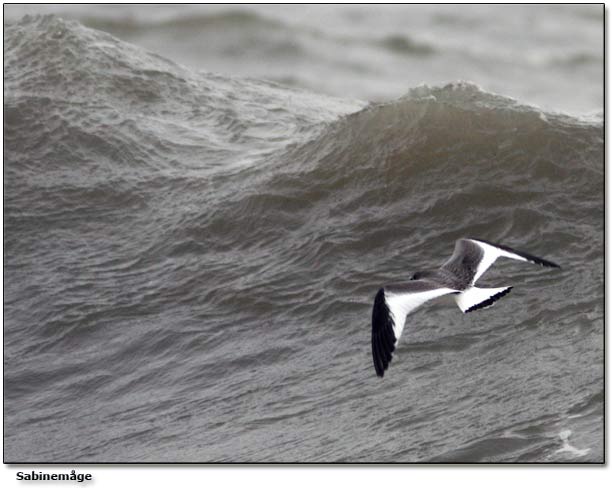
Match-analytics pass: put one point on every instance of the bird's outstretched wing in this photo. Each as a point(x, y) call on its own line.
point(472, 257)
point(391, 306)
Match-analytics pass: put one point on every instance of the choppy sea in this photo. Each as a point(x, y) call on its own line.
point(193, 237)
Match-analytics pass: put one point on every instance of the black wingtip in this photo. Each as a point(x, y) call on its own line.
point(529, 257)
point(536, 260)
point(383, 336)
point(489, 301)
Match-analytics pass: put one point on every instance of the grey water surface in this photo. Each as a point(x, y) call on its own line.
point(190, 257)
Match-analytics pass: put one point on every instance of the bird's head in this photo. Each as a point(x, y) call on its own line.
point(419, 275)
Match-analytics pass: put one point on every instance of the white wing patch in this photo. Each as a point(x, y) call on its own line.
point(491, 253)
point(401, 304)
point(475, 298)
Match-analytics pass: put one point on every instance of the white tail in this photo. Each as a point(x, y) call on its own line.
point(475, 298)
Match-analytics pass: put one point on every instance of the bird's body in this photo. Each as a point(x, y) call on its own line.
point(471, 258)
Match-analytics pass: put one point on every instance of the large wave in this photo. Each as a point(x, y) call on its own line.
point(218, 241)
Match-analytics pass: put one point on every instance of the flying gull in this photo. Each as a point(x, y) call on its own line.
point(471, 258)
